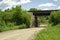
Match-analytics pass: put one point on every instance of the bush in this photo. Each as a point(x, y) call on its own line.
point(21, 17)
point(55, 17)
point(27, 19)
point(16, 18)
point(43, 19)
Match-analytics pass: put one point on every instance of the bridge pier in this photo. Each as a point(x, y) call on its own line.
point(36, 21)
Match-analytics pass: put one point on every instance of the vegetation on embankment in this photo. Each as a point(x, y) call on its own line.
point(52, 32)
point(14, 18)
point(54, 18)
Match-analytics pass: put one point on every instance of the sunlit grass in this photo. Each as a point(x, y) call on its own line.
point(51, 33)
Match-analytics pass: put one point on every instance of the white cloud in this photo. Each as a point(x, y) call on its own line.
point(24, 1)
point(13, 3)
point(46, 5)
point(55, 0)
point(45, 9)
point(58, 7)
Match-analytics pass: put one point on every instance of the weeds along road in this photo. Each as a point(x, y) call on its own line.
point(21, 34)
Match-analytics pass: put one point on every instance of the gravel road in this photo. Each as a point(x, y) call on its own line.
point(21, 34)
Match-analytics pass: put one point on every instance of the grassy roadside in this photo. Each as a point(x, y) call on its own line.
point(51, 33)
point(9, 27)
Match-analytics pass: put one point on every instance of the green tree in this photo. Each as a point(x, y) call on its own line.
point(33, 9)
point(55, 17)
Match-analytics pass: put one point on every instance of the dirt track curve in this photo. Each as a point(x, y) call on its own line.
point(21, 34)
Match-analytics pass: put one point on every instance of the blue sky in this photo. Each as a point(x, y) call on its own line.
point(27, 4)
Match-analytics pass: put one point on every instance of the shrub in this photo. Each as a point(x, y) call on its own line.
point(27, 19)
point(16, 18)
point(2, 25)
point(43, 19)
point(55, 17)
point(20, 17)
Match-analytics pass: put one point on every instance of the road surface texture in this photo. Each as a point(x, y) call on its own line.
point(21, 34)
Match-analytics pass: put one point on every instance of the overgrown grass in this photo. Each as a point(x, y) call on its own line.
point(43, 20)
point(51, 33)
point(12, 27)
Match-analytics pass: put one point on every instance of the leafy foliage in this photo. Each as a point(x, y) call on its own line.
point(13, 18)
point(55, 18)
point(33, 9)
point(43, 19)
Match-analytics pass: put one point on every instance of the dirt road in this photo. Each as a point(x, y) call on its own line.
point(21, 34)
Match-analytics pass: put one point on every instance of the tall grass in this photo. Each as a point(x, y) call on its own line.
point(11, 27)
point(51, 33)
